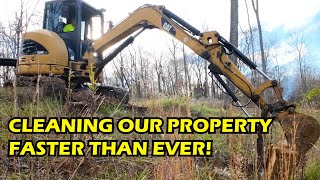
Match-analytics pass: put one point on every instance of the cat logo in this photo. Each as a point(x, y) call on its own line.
point(167, 26)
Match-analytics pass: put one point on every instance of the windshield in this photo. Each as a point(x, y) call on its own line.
point(57, 14)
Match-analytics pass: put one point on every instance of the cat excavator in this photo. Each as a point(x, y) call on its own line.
point(54, 53)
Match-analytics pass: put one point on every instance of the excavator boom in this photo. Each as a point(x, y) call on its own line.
point(212, 47)
point(209, 45)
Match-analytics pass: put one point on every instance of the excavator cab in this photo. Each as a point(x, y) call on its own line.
point(75, 22)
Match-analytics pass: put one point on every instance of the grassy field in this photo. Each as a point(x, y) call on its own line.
point(234, 156)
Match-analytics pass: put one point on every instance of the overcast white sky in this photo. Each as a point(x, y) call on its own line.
point(215, 13)
point(286, 15)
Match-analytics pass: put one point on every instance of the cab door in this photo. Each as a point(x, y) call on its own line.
point(59, 14)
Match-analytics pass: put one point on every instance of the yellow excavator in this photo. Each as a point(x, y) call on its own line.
point(55, 52)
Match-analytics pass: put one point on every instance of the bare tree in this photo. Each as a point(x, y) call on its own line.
point(135, 76)
point(206, 81)
point(11, 32)
point(175, 64)
point(120, 71)
point(279, 71)
point(159, 71)
point(198, 68)
point(251, 42)
point(255, 5)
point(186, 72)
point(234, 22)
point(10, 38)
point(299, 47)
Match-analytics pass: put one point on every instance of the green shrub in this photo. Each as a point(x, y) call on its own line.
point(313, 96)
point(313, 171)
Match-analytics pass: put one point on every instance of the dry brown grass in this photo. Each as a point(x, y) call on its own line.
point(234, 156)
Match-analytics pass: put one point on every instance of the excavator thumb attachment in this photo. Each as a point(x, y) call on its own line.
point(300, 130)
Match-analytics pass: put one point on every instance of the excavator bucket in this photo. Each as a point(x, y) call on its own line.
point(300, 130)
point(301, 133)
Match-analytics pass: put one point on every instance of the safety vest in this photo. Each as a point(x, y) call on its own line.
point(68, 28)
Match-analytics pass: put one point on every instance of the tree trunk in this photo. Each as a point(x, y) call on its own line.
point(159, 72)
point(186, 72)
point(263, 58)
point(234, 21)
point(251, 46)
point(206, 84)
point(175, 67)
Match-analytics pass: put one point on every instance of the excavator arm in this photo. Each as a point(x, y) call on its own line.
point(209, 45)
point(212, 47)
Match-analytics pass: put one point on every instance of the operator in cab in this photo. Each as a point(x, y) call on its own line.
point(69, 27)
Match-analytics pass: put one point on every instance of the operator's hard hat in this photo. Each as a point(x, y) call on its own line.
point(68, 28)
